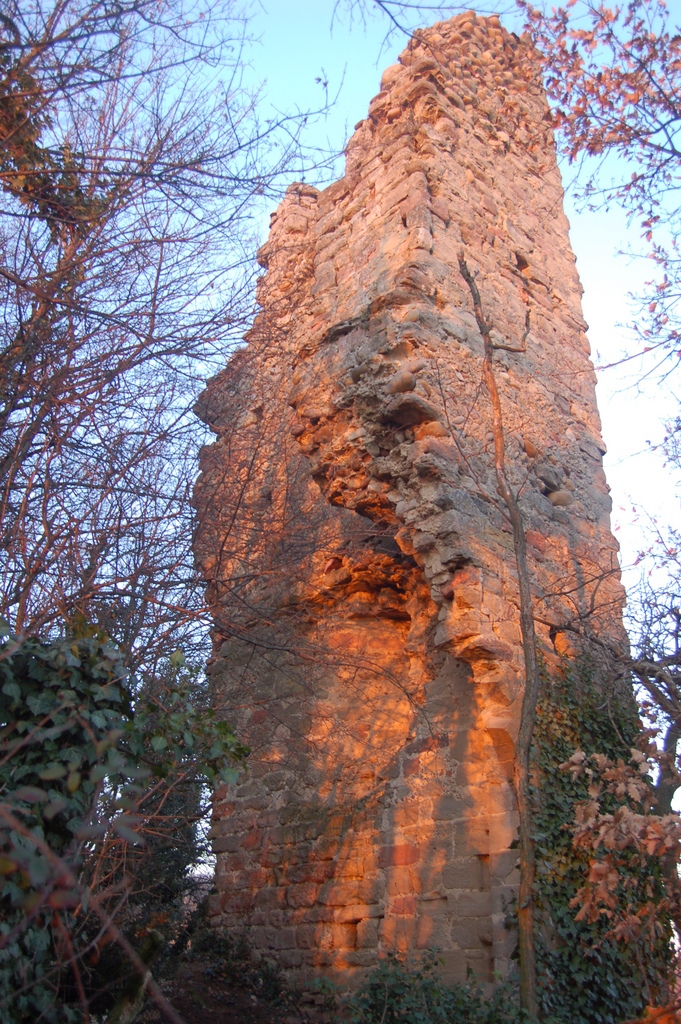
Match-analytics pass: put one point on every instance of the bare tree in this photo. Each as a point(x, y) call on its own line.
point(132, 161)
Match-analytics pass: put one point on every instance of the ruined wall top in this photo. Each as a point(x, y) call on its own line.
point(360, 568)
point(455, 156)
point(465, 88)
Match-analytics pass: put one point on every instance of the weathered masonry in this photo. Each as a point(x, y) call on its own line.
point(360, 568)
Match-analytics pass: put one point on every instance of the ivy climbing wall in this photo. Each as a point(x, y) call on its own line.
point(359, 564)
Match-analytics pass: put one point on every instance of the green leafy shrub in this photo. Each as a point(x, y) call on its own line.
point(398, 992)
point(98, 792)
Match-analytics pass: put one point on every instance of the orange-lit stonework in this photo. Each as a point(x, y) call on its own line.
point(360, 568)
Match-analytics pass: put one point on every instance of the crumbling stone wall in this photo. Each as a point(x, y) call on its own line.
point(360, 567)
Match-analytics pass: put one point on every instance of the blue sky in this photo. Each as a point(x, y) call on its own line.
point(298, 44)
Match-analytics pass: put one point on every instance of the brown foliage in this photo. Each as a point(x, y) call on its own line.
point(613, 75)
point(627, 842)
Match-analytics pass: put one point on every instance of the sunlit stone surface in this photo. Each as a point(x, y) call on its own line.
point(360, 569)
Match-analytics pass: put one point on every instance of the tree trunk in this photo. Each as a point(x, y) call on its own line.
point(528, 966)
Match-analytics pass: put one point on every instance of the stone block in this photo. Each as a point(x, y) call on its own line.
point(454, 967)
point(471, 933)
point(338, 894)
point(370, 889)
point(398, 855)
point(317, 871)
point(238, 902)
point(449, 808)
point(463, 873)
point(315, 915)
point(343, 936)
point(502, 864)
point(289, 959)
point(271, 897)
point(227, 844)
point(480, 964)
point(325, 849)
point(504, 941)
point(432, 932)
point(367, 933)
point(397, 933)
point(356, 912)
point(403, 905)
point(471, 837)
point(350, 867)
point(473, 904)
point(224, 844)
point(302, 895)
point(284, 938)
point(254, 878)
point(263, 937)
point(436, 904)
point(308, 936)
point(400, 882)
point(267, 819)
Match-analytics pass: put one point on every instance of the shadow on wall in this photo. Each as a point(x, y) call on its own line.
point(383, 820)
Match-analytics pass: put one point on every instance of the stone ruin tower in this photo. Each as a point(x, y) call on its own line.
point(359, 564)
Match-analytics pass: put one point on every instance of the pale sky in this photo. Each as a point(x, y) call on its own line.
point(297, 46)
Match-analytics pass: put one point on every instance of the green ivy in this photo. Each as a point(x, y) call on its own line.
point(585, 977)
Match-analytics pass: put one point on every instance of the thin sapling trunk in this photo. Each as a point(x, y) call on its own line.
point(528, 967)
